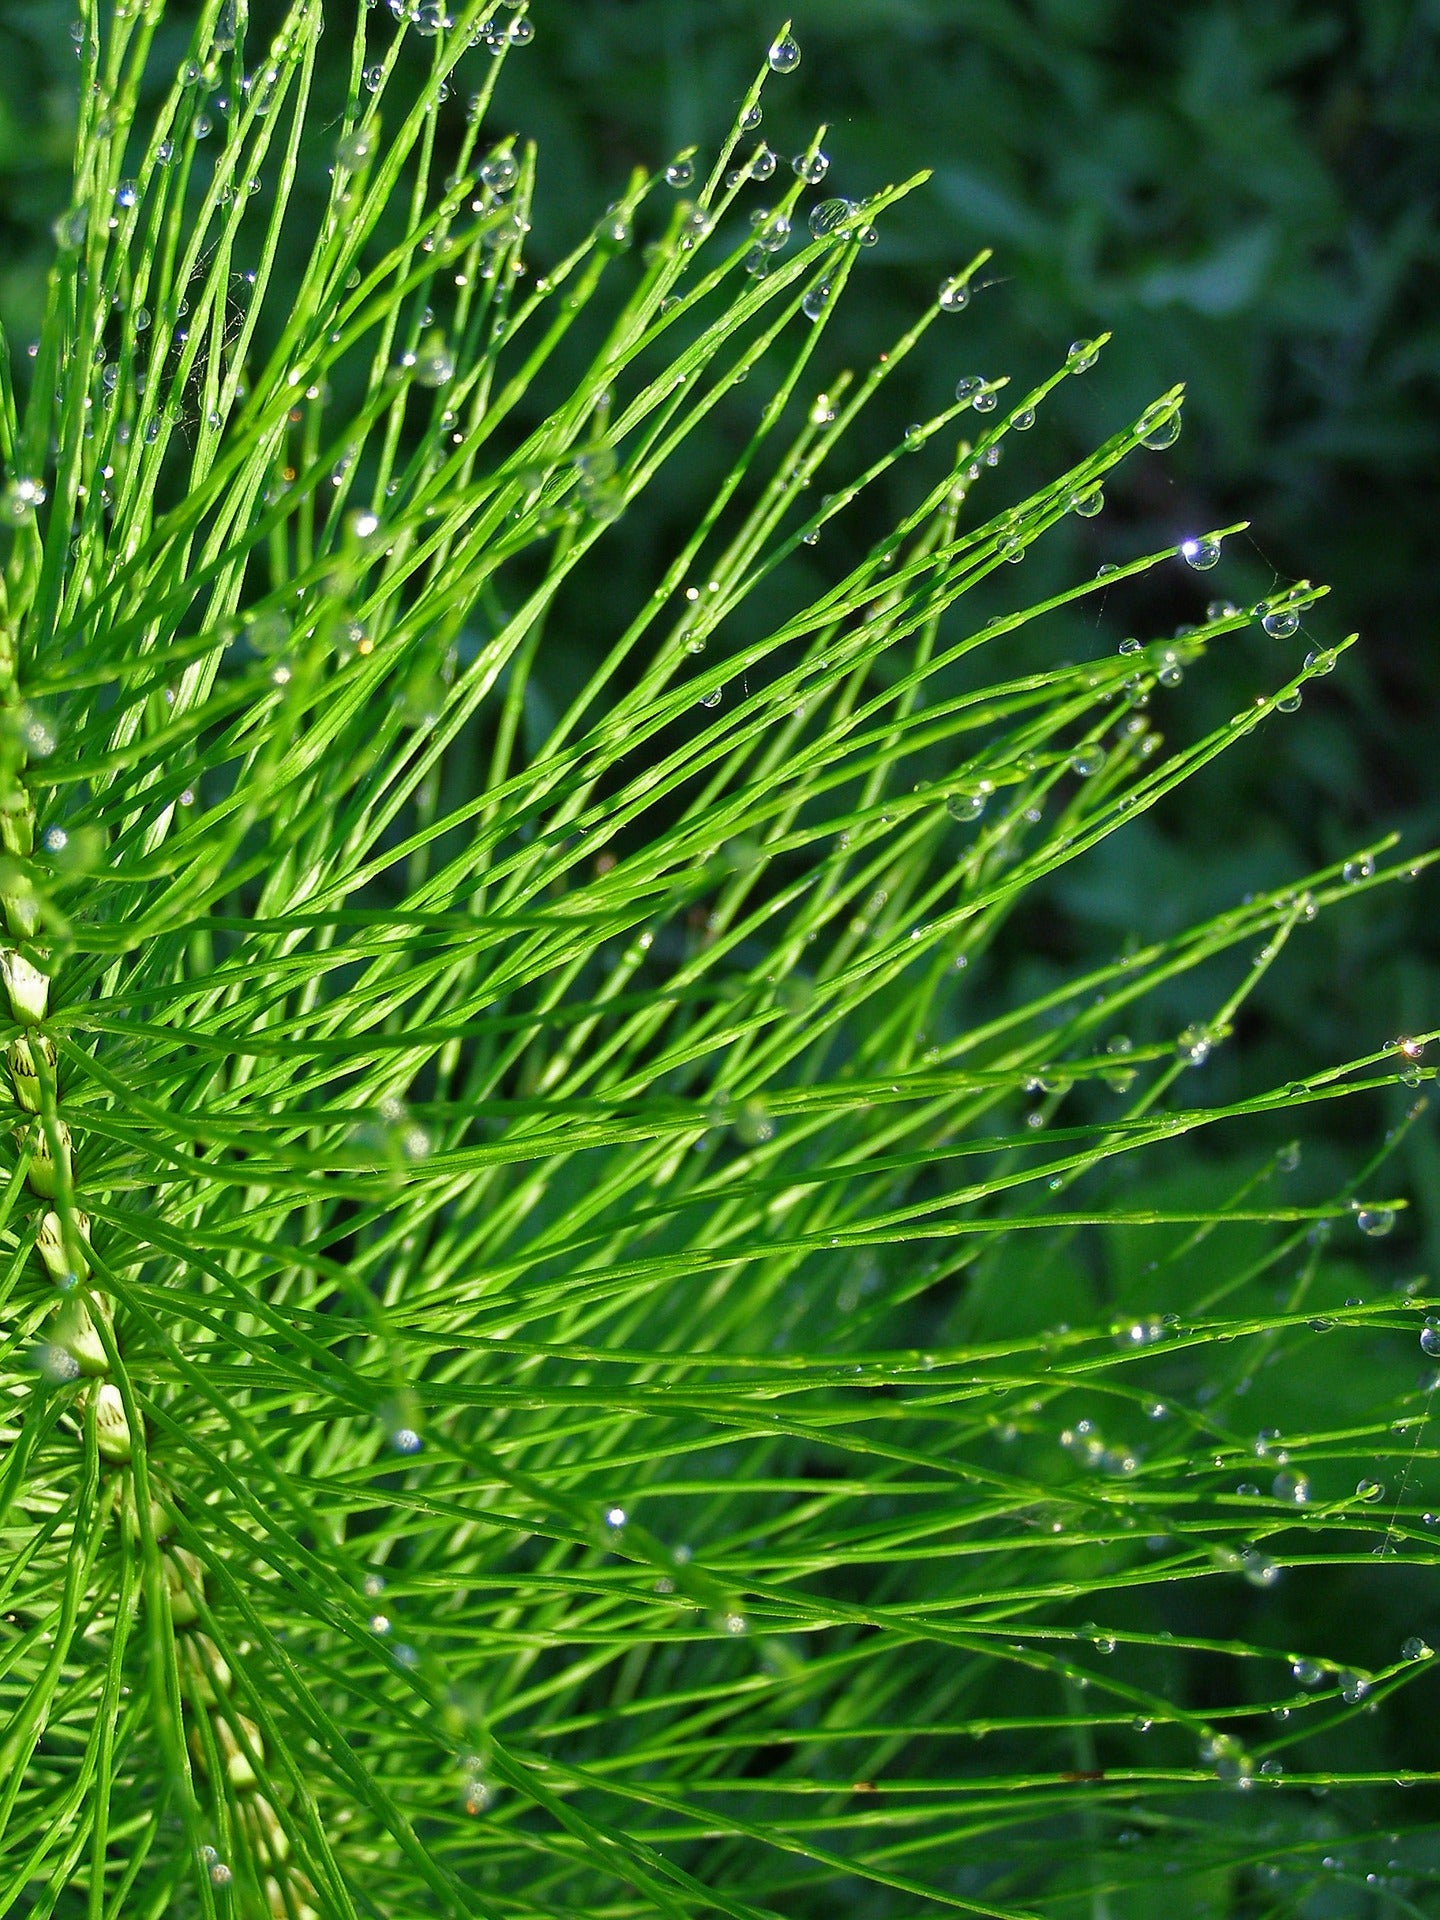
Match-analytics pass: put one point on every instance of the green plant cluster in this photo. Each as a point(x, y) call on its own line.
point(601, 1309)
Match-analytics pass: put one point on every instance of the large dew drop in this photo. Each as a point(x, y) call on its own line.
point(828, 216)
point(784, 55)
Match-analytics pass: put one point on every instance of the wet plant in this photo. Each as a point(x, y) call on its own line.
point(580, 1334)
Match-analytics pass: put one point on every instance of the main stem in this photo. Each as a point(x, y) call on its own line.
point(81, 1335)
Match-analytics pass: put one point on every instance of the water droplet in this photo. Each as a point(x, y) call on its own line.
point(227, 27)
point(19, 500)
point(374, 78)
point(968, 386)
point(69, 227)
point(1416, 1649)
point(1200, 554)
point(914, 437)
point(810, 167)
point(1087, 505)
point(434, 365)
point(711, 699)
point(1353, 1686)
point(1368, 1489)
point(1165, 431)
point(784, 55)
point(1082, 355)
point(751, 118)
point(267, 632)
point(772, 231)
point(1294, 1487)
point(1193, 1046)
point(985, 401)
point(1280, 622)
point(1320, 660)
point(1430, 1336)
point(828, 216)
point(681, 171)
point(1362, 868)
point(954, 295)
point(1023, 420)
point(1258, 1568)
point(816, 300)
point(1123, 1078)
point(1375, 1221)
point(1308, 1672)
point(1088, 760)
point(967, 805)
point(762, 163)
point(1227, 1756)
point(127, 194)
point(501, 171)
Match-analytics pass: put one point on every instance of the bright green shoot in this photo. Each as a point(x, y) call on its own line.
point(575, 1344)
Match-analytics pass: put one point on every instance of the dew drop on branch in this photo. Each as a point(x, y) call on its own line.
point(19, 500)
point(827, 217)
point(1375, 1222)
point(784, 55)
point(353, 149)
point(1164, 433)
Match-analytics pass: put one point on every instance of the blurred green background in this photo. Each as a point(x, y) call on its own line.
point(1248, 196)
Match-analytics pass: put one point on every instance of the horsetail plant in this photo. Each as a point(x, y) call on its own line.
point(574, 1342)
